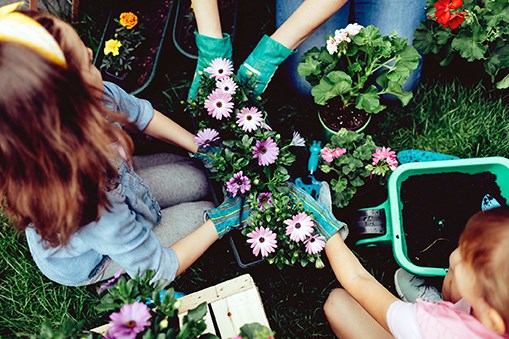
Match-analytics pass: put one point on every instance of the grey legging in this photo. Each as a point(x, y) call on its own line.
point(180, 186)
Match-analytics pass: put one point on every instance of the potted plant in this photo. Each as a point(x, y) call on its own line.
point(473, 30)
point(141, 308)
point(251, 160)
point(351, 159)
point(132, 41)
point(352, 70)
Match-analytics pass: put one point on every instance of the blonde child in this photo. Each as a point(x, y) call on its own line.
point(476, 283)
point(67, 177)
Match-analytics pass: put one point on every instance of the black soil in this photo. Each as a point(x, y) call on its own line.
point(335, 116)
point(436, 208)
point(152, 16)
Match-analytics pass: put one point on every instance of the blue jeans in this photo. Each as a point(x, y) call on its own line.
point(402, 16)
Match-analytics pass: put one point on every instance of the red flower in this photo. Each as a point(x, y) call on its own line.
point(444, 15)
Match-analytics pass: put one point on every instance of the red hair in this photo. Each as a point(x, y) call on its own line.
point(484, 245)
point(56, 159)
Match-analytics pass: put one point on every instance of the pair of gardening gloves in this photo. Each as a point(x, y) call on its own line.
point(233, 212)
point(256, 71)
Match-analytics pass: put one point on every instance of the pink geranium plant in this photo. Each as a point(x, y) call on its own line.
point(350, 160)
point(251, 160)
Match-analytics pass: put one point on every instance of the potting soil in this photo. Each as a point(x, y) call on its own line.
point(436, 208)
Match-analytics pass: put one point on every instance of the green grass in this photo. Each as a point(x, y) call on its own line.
point(451, 117)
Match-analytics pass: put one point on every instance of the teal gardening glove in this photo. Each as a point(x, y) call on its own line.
point(232, 213)
point(326, 222)
point(208, 49)
point(262, 63)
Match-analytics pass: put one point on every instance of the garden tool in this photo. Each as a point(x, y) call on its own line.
point(259, 67)
point(314, 187)
point(208, 49)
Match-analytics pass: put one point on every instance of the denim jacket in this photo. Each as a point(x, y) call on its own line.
point(124, 232)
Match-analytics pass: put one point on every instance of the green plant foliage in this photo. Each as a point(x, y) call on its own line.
point(349, 65)
point(482, 36)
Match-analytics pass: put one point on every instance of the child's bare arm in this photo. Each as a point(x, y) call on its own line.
point(305, 20)
point(163, 128)
point(354, 278)
point(207, 18)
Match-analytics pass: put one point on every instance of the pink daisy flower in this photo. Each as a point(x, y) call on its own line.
point(300, 226)
point(220, 68)
point(239, 182)
point(249, 119)
point(385, 154)
point(315, 244)
point(205, 137)
point(266, 151)
point(112, 282)
point(219, 105)
point(265, 201)
point(227, 85)
point(129, 321)
point(262, 240)
point(297, 140)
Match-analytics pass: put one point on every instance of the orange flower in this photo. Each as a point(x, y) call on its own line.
point(128, 20)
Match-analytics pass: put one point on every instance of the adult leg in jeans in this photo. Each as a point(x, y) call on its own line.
point(285, 8)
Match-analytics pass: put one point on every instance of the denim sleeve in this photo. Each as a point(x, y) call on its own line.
point(138, 111)
point(126, 239)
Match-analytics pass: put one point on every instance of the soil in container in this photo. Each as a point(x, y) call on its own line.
point(436, 208)
point(335, 116)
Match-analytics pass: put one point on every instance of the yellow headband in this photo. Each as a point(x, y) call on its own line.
point(17, 27)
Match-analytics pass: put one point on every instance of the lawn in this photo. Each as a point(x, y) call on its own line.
point(451, 112)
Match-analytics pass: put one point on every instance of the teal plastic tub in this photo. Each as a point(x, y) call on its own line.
point(390, 212)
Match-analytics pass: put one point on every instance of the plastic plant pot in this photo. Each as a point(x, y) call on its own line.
point(330, 132)
point(154, 16)
point(383, 224)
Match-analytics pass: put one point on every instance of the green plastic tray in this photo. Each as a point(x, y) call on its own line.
point(394, 234)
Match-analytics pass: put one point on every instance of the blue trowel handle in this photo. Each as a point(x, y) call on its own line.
point(315, 149)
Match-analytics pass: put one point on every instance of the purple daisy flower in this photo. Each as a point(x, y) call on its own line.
point(315, 244)
point(249, 119)
point(129, 321)
point(111, 282)
point(220, 68)
point(239, 182)
point(264, 201)
point(205, 137)
point(300, 226)
point(227, 85)
point(297, 140)
point(266, 151)
point(262, 240)
point(219, 105)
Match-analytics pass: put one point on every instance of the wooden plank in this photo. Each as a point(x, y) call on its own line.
point(237, 310)
point(192, 300)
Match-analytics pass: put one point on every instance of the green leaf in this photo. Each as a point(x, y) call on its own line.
point(330, 86)
point(469, 46)
point(504, 83)
point(309, 66)
point(369, 101)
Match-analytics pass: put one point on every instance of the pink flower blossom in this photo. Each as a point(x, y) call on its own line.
point(262, 240)
point(315, 243)
point(297, 140)
point(129, 321)
point(329, 154)
point(332, 45)
point(249, 119)
point(220, 68)
point(227, 85)
point(264, 201)
point(239, 182)
point(219, 105)
point(300, 226)
point(266, 151)
point(385, 154)
point(205, 137)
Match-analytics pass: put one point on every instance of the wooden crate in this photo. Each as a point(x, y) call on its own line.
point(231, 304)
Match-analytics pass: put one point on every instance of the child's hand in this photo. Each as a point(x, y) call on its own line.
point(232, 213)
point(204, 154)
point(327, 223)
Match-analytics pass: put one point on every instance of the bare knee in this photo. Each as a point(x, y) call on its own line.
point(335, 304)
